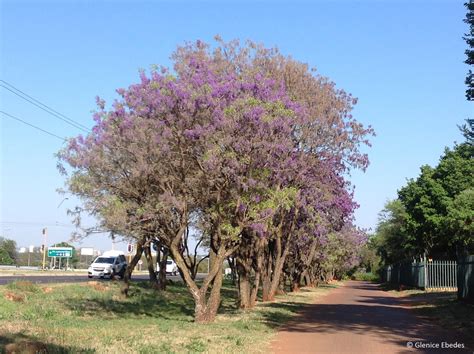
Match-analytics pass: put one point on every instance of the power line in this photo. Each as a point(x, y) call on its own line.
point(37, 224)
point(33, 126)
point(43, 106)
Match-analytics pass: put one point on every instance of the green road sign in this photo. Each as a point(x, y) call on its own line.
point(65, 252)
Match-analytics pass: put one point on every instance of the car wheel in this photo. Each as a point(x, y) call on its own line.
point(89, 276)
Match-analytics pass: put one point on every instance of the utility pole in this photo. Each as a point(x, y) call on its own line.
point(45, 235)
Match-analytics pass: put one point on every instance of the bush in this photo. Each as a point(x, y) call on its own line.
point(365, 276)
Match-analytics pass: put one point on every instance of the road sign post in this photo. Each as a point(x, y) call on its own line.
point(45, 234)
point(62, 252)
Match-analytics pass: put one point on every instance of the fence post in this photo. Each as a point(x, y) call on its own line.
point(425, 266)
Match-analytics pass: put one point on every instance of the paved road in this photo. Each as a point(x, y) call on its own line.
point(67, 278)
point(360, 318)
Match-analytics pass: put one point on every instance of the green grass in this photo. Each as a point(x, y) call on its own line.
point(93, 318)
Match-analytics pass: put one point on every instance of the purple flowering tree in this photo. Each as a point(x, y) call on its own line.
point(242, 141)
point(196, 143)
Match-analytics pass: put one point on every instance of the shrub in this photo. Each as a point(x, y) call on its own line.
point(365, 276)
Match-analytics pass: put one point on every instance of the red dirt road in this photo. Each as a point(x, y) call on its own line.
point(360, 318)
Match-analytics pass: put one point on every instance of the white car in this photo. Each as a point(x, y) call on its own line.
point(111, 263)
point(171, 267)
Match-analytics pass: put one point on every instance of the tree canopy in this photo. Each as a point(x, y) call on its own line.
point(434, 213)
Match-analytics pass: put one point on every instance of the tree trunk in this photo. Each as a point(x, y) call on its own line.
point(151, 267)
point(295, 285)
point(244, 291)
point(245, 260)
point(281, 285)
point(275, 279)
point(208, 312)
point(254, 292)
point(274, 270)
point(205, 307)
point(162, 270)
point(266, 284)
point(131, 267)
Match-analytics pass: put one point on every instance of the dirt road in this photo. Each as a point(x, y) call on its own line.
point(360, 318)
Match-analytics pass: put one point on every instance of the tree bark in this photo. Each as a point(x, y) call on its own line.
point(205, 307)
point(206, 311)
point(274, 268)
point(151, 267)
point(131, 266)
point(162, 263)
point(244, 290)
point(266, 284)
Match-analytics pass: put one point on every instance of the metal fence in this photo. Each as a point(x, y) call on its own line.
point(407, 273)
point(441, 276)
point(466, 278)
point(437, 275)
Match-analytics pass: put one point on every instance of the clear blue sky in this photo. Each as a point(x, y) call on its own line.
point(402, 59)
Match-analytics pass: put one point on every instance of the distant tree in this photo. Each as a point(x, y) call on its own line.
point(5, 257)
point(9, 248)
point(391, 239)
point(469, 38)
point(369, 257)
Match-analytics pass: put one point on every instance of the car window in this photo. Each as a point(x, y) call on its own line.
point(109, 260)
point(169, 262)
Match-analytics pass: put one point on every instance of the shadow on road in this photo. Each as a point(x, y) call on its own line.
point(378, 315)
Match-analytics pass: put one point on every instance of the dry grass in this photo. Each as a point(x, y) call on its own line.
point(47, 289)
point(97, 286)
point(15, 297)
